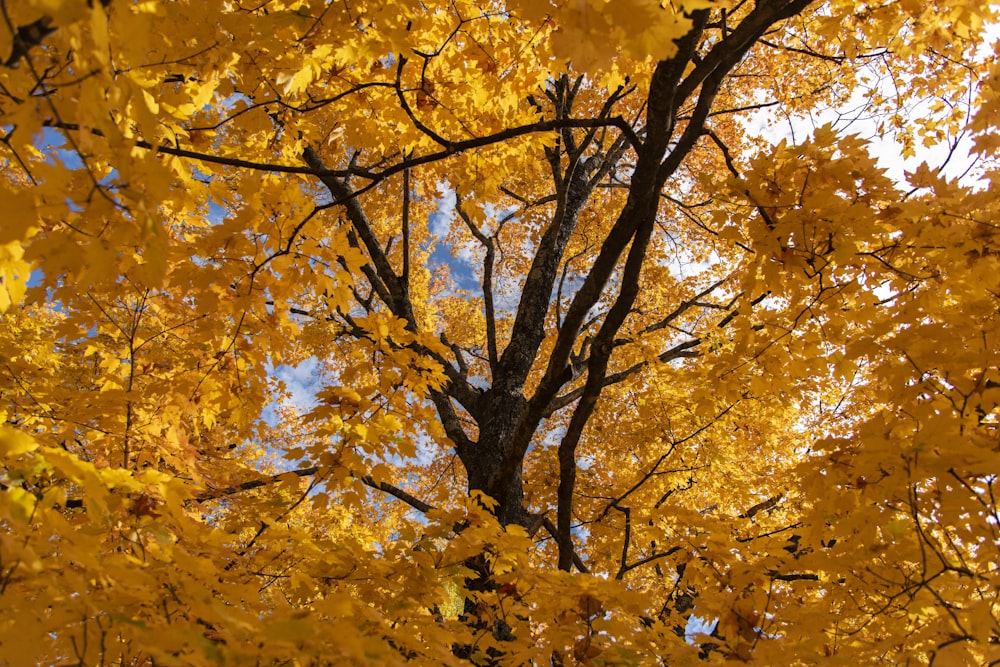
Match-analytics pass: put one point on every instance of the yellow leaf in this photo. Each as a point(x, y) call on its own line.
point(14, 442)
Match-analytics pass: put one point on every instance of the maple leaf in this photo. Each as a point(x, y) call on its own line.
point(506, 332)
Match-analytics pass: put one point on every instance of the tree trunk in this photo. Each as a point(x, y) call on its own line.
point(497, 417)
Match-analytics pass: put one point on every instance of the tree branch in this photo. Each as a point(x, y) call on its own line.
point(254, 484)
point(455, 148)
point(397, 492)
point(574, 186)
point(577, 561)
point(399, 303)
point(762, 506)
point(405, 276)
point(653, 471)
point(409, 499)
point(679, 351)
point(488, 303)
point(597, 366)
point(735, 45)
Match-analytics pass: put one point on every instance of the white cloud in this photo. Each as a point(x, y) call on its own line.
point(440, 221)
point(301, 383)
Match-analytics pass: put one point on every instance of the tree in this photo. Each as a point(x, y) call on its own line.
point(602, 376)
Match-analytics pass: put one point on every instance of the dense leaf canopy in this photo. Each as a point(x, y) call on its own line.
point(636, 332)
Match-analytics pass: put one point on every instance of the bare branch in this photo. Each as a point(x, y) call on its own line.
point(577, 561)
point(762, 506)
point(254, 484)
point(397, 492)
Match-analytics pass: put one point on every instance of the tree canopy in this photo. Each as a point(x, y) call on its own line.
point(639, 332)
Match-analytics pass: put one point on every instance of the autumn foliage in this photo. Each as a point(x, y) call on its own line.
point(637, 332)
